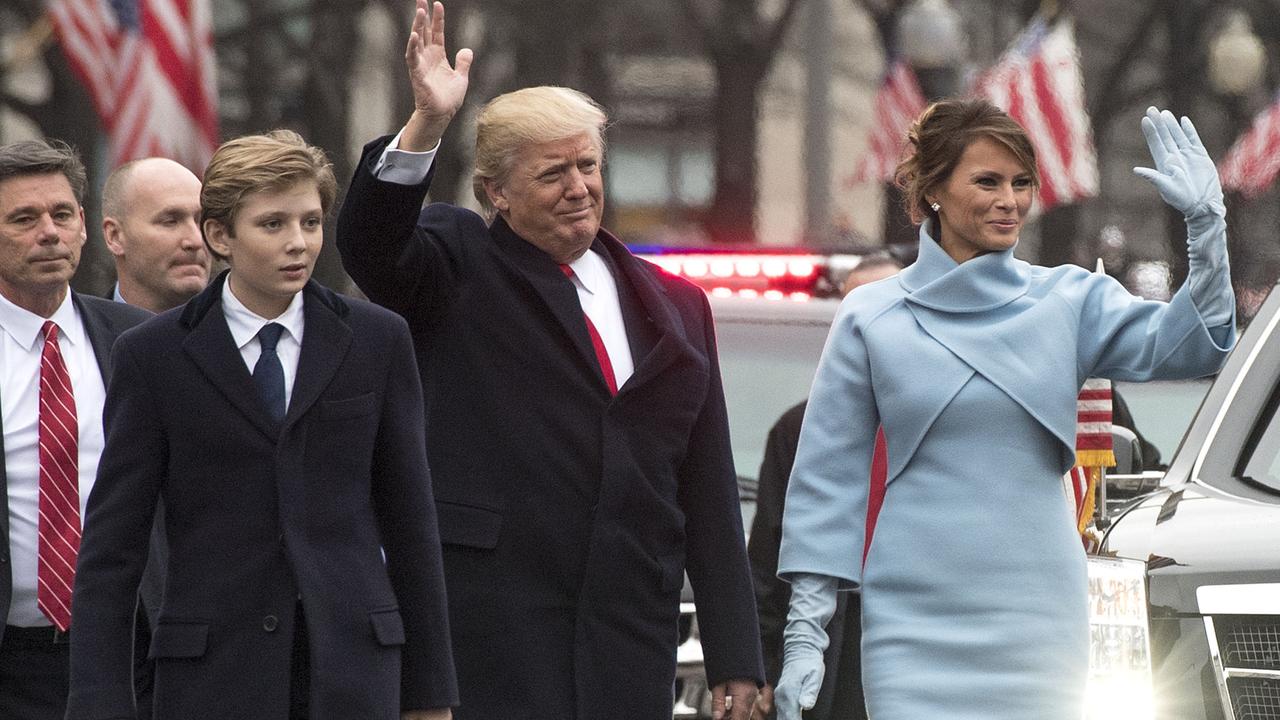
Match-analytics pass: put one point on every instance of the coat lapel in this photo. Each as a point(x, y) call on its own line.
point(656, 331)
point(550, 285)
point(100, 338)
point(325, 341)
point(210, 346)
point(978, 311)
point(657, 317)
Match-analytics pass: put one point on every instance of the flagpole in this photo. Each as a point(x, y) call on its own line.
point(1100, 503)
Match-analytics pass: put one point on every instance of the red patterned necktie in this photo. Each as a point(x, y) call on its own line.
point(59, 525)
point(602, 354)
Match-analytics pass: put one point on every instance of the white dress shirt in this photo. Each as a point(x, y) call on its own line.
point(598, 295)
point(597, 288)
point(21, 344)
point(245, 324)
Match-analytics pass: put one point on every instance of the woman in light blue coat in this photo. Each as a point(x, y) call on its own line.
point(971, 572)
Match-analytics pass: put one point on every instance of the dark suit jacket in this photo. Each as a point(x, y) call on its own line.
point(568, 515)
point(260, 514)
point(840, 697)
point(103, 323)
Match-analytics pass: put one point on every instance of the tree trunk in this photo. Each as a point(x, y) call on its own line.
point(326, 111)
point(1059, 228)
point(731, 218)
point(81, 130)
point(1182, 33)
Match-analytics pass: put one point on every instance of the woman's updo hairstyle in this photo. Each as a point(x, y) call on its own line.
point(938, 138)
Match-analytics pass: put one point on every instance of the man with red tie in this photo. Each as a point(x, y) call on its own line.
point(54, 352)
point(576, 425)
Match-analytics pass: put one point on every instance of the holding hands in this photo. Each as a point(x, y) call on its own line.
point(1184, 173)
point(438, 88)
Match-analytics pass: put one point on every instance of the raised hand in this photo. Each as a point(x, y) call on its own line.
point(438, 88)
point(1184, 173)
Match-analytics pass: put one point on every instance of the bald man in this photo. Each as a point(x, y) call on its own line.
point(151, 212)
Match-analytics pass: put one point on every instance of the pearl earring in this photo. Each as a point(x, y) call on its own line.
point(936, 207)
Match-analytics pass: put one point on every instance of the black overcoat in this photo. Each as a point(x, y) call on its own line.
point(330, 508)
point(568, 516)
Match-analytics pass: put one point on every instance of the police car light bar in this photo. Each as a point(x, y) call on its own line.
point(768, 276)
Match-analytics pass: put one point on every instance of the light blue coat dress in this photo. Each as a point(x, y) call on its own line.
point(974, 585)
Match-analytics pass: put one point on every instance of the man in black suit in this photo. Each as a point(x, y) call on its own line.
point(576, 424)
point(282, 426)
point(48, 333)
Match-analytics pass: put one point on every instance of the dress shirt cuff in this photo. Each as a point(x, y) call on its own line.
point(403, 167)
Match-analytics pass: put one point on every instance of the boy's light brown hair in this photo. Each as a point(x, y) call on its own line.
point(274, 161)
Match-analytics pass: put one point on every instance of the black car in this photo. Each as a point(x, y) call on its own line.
point(1185, 588)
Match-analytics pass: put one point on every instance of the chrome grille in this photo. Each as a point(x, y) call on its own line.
point(1250, 642)
point(1255, 698)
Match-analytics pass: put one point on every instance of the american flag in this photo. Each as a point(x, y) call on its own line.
point(149, 67)
point(1039, 83)
point(1254, 160)
point(1094, 449)
point(898, 102)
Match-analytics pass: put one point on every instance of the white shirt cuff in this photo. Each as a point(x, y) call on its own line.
point(403, 167)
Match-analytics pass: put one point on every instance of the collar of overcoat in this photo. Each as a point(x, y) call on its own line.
point(987, 315)
point(560, 297)
point(325, 341)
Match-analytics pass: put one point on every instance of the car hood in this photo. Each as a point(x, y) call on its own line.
point(1195, 536)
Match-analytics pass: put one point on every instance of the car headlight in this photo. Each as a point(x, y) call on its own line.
point(1119, 642)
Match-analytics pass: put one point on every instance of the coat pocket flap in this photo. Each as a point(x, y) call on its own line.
point(672, 566)
point(388, 627)
point(351, 407)
point(468, 525)
point(179, 639)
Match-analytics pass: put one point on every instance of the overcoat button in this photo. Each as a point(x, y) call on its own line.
point(270, 623)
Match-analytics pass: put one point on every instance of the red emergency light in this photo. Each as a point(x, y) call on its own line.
point(763, 275)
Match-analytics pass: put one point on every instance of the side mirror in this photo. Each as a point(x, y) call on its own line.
point(1126, 479)
point(1128, 451)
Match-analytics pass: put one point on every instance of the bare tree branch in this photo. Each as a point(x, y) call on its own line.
point(1104, 104)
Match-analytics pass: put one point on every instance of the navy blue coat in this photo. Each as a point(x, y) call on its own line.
point(568, 515)
point(260, 514)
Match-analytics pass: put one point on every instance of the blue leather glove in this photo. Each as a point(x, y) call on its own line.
point(1188, 181)
point(813, 602)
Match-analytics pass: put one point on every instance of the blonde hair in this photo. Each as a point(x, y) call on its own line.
point(275, 161)
point(533, 115)
point(938, 138)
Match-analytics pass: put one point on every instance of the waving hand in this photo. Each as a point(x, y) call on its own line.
point(1184, 173)
point(438, 88)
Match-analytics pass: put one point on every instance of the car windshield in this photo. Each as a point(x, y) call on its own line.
point(768, 353)
point(1162, 410)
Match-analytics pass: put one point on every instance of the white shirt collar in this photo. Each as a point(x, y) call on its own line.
point(25, 326)
point(587, 270)
point(245, 323)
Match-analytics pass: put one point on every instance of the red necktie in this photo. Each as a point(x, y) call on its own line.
point(59, 524)
point(602, 354)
